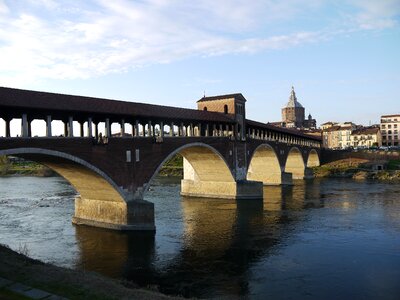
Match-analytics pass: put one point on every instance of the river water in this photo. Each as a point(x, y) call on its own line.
point(326, 239)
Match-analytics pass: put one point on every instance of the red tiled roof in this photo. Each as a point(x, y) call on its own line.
point(15, 98)
point(368, 130)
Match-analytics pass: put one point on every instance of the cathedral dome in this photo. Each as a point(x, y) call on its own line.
point(293, 100)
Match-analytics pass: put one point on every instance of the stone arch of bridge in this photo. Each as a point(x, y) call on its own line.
point(264, 166)
point(206, 171)
point(295, 163)
point(313, 159)
point(89, 181)
point(101, 202)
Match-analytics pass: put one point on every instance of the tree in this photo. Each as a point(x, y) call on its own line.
point(4, 165)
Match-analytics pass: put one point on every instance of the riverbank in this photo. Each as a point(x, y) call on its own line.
point(357, 168)
point(23, 168)
point(172, 168)
point(66, 283)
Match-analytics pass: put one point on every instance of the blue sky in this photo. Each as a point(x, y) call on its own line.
point(341, 56)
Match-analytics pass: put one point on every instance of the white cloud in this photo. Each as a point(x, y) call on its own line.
point(56, 39)
point(377, 14)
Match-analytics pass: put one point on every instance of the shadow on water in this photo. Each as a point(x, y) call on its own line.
point(116, 254)
point(221, 240)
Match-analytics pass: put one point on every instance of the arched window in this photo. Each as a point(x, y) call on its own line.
point(205, 108)
point(225, 109)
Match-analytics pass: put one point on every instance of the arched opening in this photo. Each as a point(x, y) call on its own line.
point(205, 108)
point(225, 109)
point(313, 159)
point(264, 166)
point(2, 127)
point(205, 172)
point(295, 163)
point(101, 202)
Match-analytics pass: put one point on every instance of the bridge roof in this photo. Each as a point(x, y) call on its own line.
point(291, 131)
point(52, 102)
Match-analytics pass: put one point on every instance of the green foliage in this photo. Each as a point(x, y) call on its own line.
point(393, 165)
point(4, 165)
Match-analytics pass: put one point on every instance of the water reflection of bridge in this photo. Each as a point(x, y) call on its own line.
point(224, 238)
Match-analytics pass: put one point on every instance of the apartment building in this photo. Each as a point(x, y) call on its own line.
point(338, 135)
point(390, 127)
point(366, 137)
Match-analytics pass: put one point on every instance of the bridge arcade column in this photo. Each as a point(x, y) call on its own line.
point(122, 127)
point(171, 129)
point(89, 127)
point(8, 131)
point(70, 126)
point(108, 128)
point(48, 126)
point(24, 126)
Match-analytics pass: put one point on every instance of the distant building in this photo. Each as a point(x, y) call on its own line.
point(328, 125)
point(293, 114)
point(338, 136)
point(366, 137)
point(390, 126)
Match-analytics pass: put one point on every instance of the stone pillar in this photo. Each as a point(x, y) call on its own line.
point(308, 173)
point(191, 131)
point(206, 133)
point(133, 215)
point(96, 131)
point(193, 186)
point(199, 130)
point(181, 133)
point(82, 131)
point(70, 127)
point(8, 131)
point(221, 130)
point(162, 129)
point(136, 130)
point(89, 127)
point(24, 126)
point(108, 128)
point(171, 129)
point(149, 133)
point(214, 133)
point(48, 126)
point(122, 127)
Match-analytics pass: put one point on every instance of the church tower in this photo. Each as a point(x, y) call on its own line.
point(293, 112)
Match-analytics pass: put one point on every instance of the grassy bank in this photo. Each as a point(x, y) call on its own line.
point(67, 283)
point(173, 167)
point(23, 168)
point(359, 169)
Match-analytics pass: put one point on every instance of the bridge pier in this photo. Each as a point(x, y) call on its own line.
point(204, 177)
point(134, 215)
point(308, 173)
point(223, 190)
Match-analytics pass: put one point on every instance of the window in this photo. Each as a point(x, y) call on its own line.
point(395, 126)
point(205, 108)
point(389, 126)
point(225, 109)
point(383, 126)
